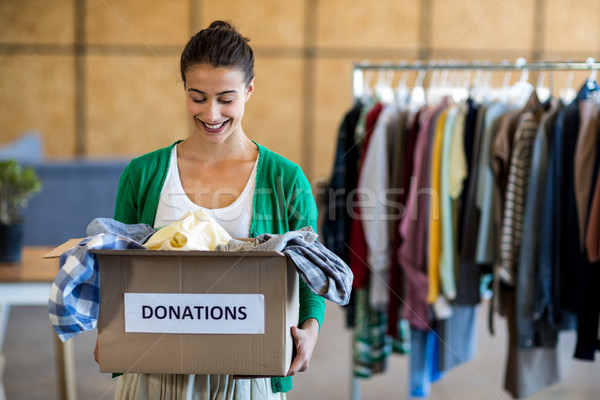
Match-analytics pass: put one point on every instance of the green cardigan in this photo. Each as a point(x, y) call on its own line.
point(283, 202)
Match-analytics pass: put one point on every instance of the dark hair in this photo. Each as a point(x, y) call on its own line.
point(219, 45)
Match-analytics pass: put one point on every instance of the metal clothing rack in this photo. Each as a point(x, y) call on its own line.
point(358, 74)
point(358, 80)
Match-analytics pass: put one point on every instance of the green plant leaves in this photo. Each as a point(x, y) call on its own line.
point(17, 185)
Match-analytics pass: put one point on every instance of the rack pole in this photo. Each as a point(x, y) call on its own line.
point(541, 66)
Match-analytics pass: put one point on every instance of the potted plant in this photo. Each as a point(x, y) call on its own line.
point(17, 185)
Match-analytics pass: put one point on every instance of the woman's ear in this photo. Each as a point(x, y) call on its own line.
point(249, 89)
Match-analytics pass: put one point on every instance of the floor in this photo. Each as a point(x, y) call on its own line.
point(29, 374)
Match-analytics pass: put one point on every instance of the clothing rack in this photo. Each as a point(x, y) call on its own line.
point(358, 81)
point(359, 70)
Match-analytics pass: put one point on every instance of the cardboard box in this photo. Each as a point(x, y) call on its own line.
point(204, 273)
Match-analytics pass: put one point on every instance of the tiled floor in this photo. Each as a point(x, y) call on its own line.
point(29, 374)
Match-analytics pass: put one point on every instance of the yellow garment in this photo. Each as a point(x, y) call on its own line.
point(435, 233)
point(194, 231)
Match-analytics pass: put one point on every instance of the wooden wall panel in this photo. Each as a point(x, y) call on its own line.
point(333, 99)
point(38, 93)
point(487, 25)
point(356, 23)
point(266, 22)
point(36, 21)
point(273, 115)
point(138, 22)
point(135, 105)
point(572, 26)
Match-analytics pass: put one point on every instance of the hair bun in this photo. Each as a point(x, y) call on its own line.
point(219, 45)
point(221, 24)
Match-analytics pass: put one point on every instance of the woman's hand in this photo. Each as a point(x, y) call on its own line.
point(305, 339)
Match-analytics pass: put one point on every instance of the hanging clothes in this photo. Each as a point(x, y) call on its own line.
point(585, 156)
point(527, 371)
point(397, 154)
point(584, 161)
point(487, 197)
point(593, 230)
point(395, 305)
point(547, 302)
point(572, 266)
point(374, 181)
point(469, 272)
point(458, 337)
point(532, 330)
point(434, 229)
point(501, 154)
point(371, 345)
point(461, 190)
point(336, 221)
point(514, 204)
point(358, 250)
point(453, 171)
point(521, 379)
point(411, 254)
point(424, 367)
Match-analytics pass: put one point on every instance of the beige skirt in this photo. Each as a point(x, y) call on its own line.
point(193, 387)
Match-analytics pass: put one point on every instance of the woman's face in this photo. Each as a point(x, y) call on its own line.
point(215, 99)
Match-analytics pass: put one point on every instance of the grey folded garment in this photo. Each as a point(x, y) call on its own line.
point(137, 232)
point(322, 270)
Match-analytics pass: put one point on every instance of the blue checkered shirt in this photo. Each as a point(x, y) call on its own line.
point(75, 293)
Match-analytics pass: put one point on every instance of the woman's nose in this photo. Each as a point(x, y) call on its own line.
point(213, 112)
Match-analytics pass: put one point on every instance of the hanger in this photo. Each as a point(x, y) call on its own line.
point(591, 81)
point(486, 85)
point(521, 90)
point(568, 93)
point(417, 94)
point(474, 86)
point(460, 91)
point(503, 93)
point(383, 87)
point(360, 83)
point(543, 92)
point(433, 92)
point(591, 84)
point(402, 91)
point(367, 92)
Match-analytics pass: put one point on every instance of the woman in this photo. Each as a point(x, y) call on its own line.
point(245, 187)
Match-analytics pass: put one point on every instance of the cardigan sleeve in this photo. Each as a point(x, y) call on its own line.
point(125, 204)
point(302, 212)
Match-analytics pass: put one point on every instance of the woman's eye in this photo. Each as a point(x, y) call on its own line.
point(226, 101)
point(198, 100)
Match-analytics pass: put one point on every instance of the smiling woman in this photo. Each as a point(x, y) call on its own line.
point(246, 188)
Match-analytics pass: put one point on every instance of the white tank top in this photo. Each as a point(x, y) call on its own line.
point(174, 203)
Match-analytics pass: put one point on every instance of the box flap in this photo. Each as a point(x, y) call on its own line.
point(187, 253)
point(56, 252)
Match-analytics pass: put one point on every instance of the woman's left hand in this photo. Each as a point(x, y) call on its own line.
point(305, 339)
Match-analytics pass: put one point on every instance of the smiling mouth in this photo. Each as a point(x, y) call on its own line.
point(214, 127)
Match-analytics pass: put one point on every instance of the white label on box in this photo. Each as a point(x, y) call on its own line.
point(195, 313)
